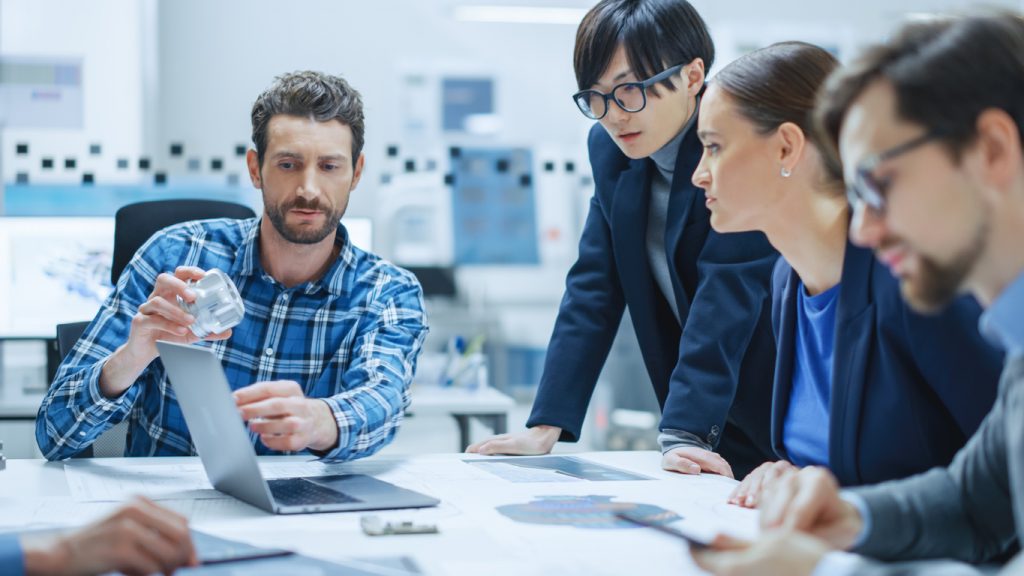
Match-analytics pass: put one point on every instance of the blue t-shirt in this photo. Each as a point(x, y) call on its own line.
point(805, 431)
point(12, 563)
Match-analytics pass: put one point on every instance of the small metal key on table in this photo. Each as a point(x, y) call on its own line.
point(377, 526)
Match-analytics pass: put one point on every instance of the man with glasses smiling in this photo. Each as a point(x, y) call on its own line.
point(931, 130)
point(699, 301)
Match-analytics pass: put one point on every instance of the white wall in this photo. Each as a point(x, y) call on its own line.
point(187, 70)
point(215, 57)
point(110, 37)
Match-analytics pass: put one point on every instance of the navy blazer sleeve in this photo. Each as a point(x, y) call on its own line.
point(966, 387)
point(588, 320)
point(730, 307)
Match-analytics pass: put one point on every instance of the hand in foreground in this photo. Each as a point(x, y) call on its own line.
point(808, 501)
point(748, 493)
point(285, 419)
point(693, 460)
point(140, 538)
point(537, 440)
point(776, 553)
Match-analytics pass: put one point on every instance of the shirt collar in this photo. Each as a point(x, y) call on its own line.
point(247, 260)
point(1003, 322)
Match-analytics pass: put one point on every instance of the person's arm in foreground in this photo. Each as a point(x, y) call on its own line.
point(140, 538)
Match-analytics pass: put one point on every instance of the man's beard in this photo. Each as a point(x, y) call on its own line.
point(938, 284)
point(303, 235)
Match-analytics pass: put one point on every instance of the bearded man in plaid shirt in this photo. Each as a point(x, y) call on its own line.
point(323, 359)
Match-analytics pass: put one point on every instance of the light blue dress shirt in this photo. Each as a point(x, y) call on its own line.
point(1001, 323)
point(12, 561)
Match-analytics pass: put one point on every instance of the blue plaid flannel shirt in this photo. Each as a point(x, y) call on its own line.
point(351, 338)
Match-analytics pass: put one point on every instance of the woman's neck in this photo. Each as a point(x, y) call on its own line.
point(810, 232)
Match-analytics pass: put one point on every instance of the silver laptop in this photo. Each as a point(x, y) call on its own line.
point(227, 453)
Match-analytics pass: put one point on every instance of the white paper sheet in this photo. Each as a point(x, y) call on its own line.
point(98, 480)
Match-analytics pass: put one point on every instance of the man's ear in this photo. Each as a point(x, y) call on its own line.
point(999, 148)
point(357, 172)
point(253, 162)
point(694, 74)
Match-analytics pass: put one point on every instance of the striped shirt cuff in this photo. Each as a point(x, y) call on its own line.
point(670, 439)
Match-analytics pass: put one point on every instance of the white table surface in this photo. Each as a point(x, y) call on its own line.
point(474, 538)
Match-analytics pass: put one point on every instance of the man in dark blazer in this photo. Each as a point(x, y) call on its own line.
point(699, 301)
point(931, 133)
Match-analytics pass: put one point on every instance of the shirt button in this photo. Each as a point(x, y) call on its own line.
point(269, 351)
point(284, 297)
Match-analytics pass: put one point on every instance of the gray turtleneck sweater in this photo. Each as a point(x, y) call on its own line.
point(657, 212)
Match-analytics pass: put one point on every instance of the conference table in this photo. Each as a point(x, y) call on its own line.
point(497, 516)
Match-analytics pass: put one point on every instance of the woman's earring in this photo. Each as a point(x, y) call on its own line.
point(786, 172)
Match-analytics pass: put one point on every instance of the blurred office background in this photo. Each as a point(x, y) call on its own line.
point(476, 168)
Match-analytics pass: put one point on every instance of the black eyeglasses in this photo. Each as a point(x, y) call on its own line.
point(869, 190)
point(630, 96)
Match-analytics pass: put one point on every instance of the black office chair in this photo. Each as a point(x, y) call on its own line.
point(133, 226)
point(135, 223)
point(67, 335)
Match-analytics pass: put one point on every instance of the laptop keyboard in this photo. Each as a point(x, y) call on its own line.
point(302, 492)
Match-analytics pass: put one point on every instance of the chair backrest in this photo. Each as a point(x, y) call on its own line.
point(135, 223)
point(67, 335)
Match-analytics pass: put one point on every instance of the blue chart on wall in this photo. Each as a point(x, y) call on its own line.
point(591, 512)
point(494, 208)
point(104, 200)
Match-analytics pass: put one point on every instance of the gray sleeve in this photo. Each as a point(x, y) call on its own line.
point(865, 567)
point(671, 439)
point(962, 512)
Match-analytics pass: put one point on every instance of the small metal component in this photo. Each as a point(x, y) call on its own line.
point(376, 526)
point(3, 461)
point(218, 305)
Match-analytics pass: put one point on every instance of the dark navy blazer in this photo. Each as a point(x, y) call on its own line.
point(718, 367)
point(907, 389)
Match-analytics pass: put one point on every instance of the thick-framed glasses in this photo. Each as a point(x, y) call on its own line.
point(869, 190)
point(630, 96)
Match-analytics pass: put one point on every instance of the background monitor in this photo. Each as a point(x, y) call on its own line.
point(55, 270)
